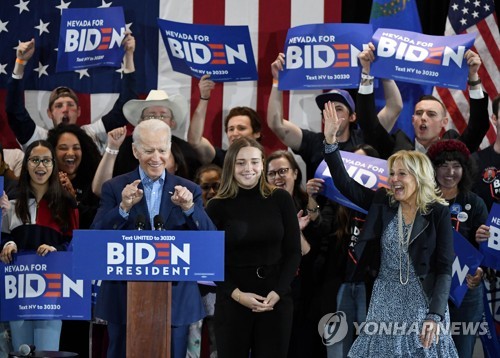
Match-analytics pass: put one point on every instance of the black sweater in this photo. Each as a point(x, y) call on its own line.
point(258, 232)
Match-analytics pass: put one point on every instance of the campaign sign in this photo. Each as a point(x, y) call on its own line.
point(367, 171)
point(491, 248)
point(320, 56)
point(467, 260)
point(148, 255)
point(43, 287)
point(90, 38)
point(413, 57)
point(223, 52)
point(491, 316)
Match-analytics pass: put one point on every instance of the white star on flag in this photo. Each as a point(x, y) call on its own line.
point(42, 70)
point(105, 4)
point(2, 68)
point(3, 26)
point(43, 27)
point(83, 73)
point(63, 5)
point(23, 6)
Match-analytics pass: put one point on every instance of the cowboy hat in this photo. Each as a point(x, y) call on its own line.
point(132, 110)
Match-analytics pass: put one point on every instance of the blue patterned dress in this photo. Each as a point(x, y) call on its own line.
point(393, 302)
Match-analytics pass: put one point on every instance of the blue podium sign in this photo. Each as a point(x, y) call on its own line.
point(134, 255)
point(36, 287)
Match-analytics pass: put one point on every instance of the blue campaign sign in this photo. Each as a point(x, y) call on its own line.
point(467, 260)
point(148, 255)
point(90, 38)
point(36, 287)
point(321, 56)
point(368, 171)
point(491, 248)
point(223, 52)
point(424, 59)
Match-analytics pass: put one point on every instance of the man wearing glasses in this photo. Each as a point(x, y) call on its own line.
point(64, 106)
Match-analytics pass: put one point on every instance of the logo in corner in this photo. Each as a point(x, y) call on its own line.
point(332, 327)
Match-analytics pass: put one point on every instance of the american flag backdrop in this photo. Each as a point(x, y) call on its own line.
point(21, 20)
point(474, 16)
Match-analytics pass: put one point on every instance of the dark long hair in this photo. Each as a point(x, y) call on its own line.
point(451, 150)
point(299, 194)
point(180, 161)
point(90, 152)
point(59, 200)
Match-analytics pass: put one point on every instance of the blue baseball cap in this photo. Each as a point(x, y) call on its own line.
point(336, 95)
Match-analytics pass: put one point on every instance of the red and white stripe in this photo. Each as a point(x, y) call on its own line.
point(486, 45)
point(269, 22)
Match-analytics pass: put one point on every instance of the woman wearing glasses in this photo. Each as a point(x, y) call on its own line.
point(208, 178)
point(283, 172)
point(40, 220)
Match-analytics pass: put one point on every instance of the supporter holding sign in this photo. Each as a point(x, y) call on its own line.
point(35, 287)
point(90, 38)
point(323, 56)
point(454, 170)
point(41, 220)
point(223, 52)
point(489, 237)
point(413, 57)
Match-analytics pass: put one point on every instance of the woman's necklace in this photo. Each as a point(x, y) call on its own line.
point(404, 243)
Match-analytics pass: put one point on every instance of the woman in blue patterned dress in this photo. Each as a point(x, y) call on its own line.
point(407, 232)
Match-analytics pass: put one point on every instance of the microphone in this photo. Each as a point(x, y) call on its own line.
point(158, 222)
point(140, 222)
point(25, 350)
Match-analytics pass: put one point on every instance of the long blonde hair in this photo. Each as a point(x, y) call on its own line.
point(229, 186)
point(420, 166)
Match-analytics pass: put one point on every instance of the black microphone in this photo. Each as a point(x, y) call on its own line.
point(140, 222)
point(25, 350)
point(158, 222)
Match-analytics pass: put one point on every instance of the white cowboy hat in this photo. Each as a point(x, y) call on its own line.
point(132, 110)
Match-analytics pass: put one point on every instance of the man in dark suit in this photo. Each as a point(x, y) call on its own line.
point(150, 190)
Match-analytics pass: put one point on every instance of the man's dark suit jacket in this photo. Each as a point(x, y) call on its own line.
point(187, 306)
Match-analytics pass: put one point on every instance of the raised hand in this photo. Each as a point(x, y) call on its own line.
point(332, 123)
point(278, 65)
point(131, 195)
point(25, 50)
point(206, 85)
point(366, 57)
point(182, 197)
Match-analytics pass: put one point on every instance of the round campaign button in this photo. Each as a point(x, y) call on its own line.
point(462, 216)
point(455, 208)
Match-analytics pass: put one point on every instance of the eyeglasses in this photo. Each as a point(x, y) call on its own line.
point(207, 186)
point(35, 162)
point(281, 172)
point(154, 116)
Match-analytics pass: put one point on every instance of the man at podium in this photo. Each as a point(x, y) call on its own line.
point(146, 198)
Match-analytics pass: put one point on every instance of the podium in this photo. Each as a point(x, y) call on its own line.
point(148, 261)
point(149, 312)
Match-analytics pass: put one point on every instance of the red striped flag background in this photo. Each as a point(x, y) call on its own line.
point(268, 22)
point(479, 17)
